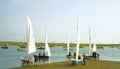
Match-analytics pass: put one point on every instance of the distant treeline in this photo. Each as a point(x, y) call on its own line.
point(53, 44)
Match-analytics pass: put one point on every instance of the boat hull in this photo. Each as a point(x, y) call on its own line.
point(75, 62)
point(94, 56)
point(42, 57)
point(24, 61)
point(21, 49)
point(40, 48)
point(4, 47)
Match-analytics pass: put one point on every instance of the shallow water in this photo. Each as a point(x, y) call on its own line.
point(10, 57)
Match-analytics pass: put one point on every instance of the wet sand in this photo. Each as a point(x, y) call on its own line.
point(90, 64)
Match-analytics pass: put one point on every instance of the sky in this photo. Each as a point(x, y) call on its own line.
point(58, 18)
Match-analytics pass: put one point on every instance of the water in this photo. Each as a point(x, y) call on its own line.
point(10, 57)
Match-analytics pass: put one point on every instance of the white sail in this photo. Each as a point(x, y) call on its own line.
point(30, 37)
point(94, 45)
point(90, 45)
point(47, 49)
point(68, 45)
point(78, 39)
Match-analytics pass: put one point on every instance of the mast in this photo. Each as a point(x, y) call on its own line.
point(90, 45)
point(68, 45)
point(94, 45)
point(46, 43)
point(78, 38)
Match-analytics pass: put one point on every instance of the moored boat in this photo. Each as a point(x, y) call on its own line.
point(5, 46)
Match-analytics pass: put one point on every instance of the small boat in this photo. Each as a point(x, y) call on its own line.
point(47, 52)
point(4, 47)
point(22, 49)
point(92, 50)
point(43, 57)
point(40, 48)
point(68, 48)
point(76, 59)
point(31, 44)
point(81, 47)
point(22, 46)
point(100, 47)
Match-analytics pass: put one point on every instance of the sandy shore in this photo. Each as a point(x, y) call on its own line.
point(90, 64)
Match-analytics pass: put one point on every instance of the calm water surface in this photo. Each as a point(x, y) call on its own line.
point(10, 57)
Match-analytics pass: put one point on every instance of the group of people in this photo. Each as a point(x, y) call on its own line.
point(83, 57)
point(36, 57)
point(96, 55)
point(39, 54)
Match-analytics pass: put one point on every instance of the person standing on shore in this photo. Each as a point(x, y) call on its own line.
point(84, 60)
point(39, 54)
point(97, 56)
point(69, 54)
point(74, 54)
point(35, 60)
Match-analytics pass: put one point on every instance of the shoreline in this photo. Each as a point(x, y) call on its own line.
point(110, 60)
point(54, 44)
point(90, 64)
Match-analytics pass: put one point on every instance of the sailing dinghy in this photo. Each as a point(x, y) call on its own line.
point(68, 47)
point(76, 60)
point(31, 44)
point(47, 53)
point(92, 50)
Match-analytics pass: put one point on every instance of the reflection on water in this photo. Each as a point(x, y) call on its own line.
point(10, 57)
point(43, 61)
